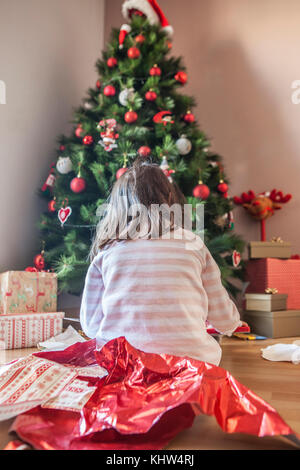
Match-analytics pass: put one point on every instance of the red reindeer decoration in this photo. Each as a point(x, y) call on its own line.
point(263, 206)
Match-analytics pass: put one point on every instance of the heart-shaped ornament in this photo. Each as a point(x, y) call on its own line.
point(63, 214)
point(236, 259)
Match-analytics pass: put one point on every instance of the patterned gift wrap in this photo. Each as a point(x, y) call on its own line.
point(26, 331)
point(29, 382)
point(30, 292)
point(284, 275)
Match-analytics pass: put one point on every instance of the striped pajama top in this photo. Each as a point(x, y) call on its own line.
point(159, 294)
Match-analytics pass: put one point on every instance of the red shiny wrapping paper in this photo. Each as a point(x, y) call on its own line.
point(17, 445)
point(145, 401)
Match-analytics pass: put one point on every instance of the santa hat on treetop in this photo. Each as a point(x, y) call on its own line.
point(150, 9)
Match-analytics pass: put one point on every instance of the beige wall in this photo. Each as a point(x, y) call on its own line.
point(242, 56)
point(47, 55)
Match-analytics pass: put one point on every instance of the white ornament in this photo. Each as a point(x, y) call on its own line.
point(184, 145)
point(64, 165)
point(164, 165)
point(108, 143)
point(88, 105)
point(166, 169)
point(126, 96)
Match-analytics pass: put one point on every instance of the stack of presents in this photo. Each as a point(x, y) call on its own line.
point(28, 309)
point(28, 300)
point(272, 306)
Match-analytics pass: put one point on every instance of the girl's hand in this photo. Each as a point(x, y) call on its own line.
point(245, 325)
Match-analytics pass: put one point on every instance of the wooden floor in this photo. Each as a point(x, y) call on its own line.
point(276, 382)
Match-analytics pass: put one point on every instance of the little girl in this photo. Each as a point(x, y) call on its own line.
point(157, 291)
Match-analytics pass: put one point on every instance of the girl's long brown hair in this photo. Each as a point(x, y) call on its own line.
point(144, 184)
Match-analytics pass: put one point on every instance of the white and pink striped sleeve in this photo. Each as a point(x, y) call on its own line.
point(223, 314)
point(91, 306)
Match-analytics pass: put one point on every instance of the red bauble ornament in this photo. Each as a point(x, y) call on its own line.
point(51, 206)
point(121, 172)
point(189, 117)
point(62, 148)
point(39, 262)
point(144, 151)
point(133, 53)
point(112, 62)
point(78, 185)
point(131, 117)
point(79, 132)
point(140, 39)
point(201, 191)
point(151, 95)
point(98, 84)
point(88, 140)
point(181, 77)
point(155, 71)
point(109, 90)
point(223, 187)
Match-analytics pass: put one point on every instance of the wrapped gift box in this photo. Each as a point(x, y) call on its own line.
point(281, 324)
point(27, 330)
point(270, 250)
point(284, 275)
point(30, 292)
point(266, 302)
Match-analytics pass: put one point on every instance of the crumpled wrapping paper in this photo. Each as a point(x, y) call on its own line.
point(283, 352)
point(145, 401)
point(30, 382)
point(17, 445)
point(35, 381)
point(62, 341)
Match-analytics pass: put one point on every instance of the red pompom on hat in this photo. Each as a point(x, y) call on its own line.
point(150, 9)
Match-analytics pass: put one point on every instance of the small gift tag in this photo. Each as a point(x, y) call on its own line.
point(72, 398)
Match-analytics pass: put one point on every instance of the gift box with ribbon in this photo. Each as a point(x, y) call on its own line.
point(270, 301)
point(27, 330)
point(276, 248)
point(279, 274)
point(276, 324)
point(27, 292)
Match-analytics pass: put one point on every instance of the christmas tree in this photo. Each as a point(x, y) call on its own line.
point(137, 108)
